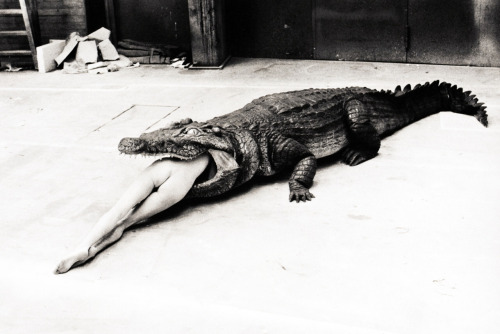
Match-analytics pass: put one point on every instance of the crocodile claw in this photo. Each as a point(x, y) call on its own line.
point(300, 195)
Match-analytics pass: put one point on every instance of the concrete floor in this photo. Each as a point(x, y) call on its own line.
point(408, 242)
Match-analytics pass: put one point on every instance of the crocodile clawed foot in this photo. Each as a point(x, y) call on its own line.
point(354, 157)
point(72, 260)
point(298, 192)
point(300, 195)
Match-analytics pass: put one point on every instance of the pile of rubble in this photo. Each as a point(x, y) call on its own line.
point(150, 53)
point(95, 53)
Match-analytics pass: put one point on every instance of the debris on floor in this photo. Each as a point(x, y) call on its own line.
point(86, 52)
point(108, 51)
point(95, 53)
point(100, 34)
point(9, 68)
point(46, 55)
point(180, 63)
point(147, 53)
point(71, 43)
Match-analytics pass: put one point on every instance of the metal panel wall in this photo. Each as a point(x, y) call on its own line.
point(458, 32)
point(370, 30)
point(161, 21)
point(276, 28)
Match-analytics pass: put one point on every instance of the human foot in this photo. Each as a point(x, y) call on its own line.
point(73, 260)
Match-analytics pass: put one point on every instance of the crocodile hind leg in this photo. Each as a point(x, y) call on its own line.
point(364, 144)
point(364, 141)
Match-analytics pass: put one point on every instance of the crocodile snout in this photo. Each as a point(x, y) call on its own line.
point(131, 145)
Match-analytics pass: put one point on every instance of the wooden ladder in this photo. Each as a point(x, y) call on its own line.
point(28, 10)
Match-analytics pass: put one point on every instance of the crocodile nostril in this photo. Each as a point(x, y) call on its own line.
point(131, 145)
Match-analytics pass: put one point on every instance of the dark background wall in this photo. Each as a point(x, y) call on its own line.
point(370, 30)
point(58, 18)
point(278, 28)
point(154, 21)
point(462, 32)
point(458, 32)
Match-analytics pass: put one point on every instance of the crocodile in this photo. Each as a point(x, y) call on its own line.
point(291, 130)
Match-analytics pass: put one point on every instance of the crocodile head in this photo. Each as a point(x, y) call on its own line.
point(187, 140)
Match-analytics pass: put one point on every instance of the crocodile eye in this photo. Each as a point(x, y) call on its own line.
point(193, 132)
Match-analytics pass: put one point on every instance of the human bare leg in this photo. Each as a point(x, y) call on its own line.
point(172, 180)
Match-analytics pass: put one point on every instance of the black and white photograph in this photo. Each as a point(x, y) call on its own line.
point(249, 167)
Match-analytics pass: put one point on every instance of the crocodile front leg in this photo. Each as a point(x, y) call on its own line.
point(302, 179)
point(287, 152)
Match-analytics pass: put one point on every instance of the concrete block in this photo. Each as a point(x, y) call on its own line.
point(46, 55)
point(100, 34)
point(86, 52)
point(68, 48)
point(108, 51)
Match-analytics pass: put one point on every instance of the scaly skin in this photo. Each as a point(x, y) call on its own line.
point(291, 130)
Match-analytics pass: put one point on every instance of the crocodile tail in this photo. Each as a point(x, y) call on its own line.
point(441, 96)
point(463, 102)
